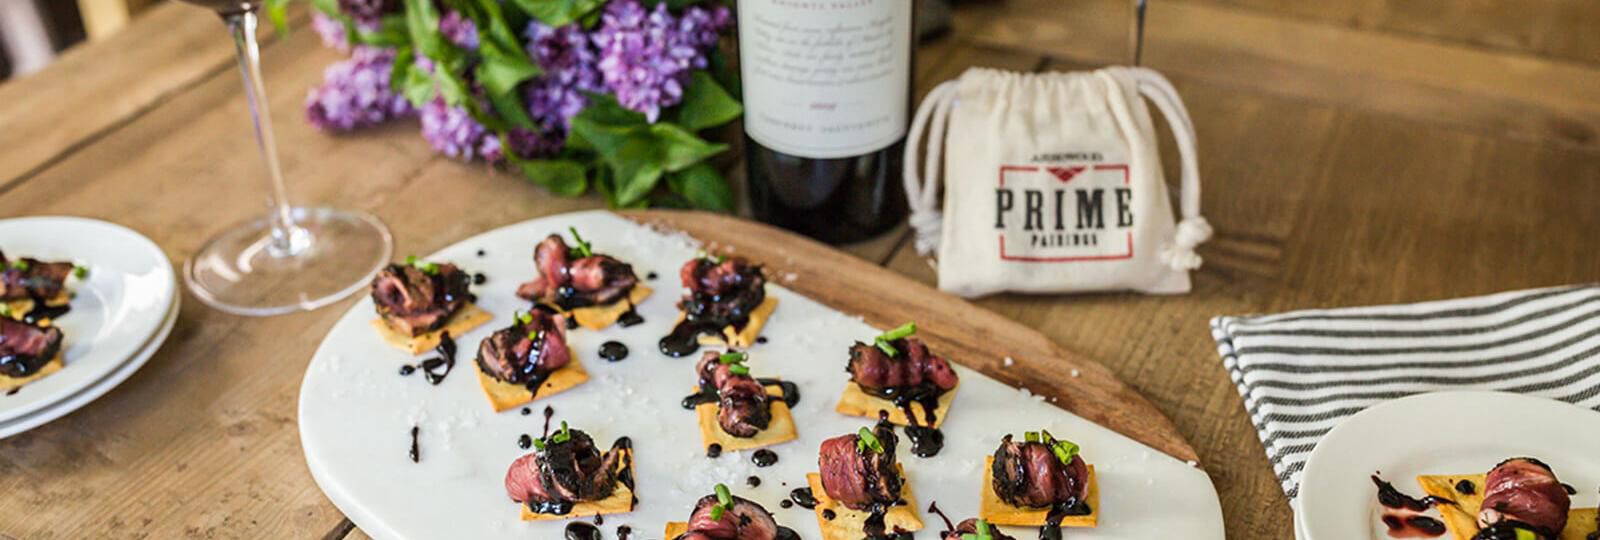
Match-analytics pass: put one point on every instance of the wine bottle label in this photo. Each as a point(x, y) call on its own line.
point(825, 78)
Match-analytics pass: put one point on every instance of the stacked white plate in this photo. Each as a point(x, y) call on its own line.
point(122, 311)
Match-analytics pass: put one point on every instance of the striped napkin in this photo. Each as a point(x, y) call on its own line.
point(1303, 372)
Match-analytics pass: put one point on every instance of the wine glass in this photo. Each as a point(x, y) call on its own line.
point(294, 258)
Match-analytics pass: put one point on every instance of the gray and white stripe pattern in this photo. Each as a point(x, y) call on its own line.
point(1303, 372)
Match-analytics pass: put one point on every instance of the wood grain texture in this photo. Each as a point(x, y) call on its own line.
point(1487, 91)
point(96, 87)
point(962, 332)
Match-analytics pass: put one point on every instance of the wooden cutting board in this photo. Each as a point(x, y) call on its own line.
point(963, 332)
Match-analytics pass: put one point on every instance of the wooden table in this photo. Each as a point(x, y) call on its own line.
point(1353, 153)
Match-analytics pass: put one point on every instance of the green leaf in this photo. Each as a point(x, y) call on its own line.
point(392, 32)
point(501, 71)
point(562, 177)
point(703, 187)
point(278, 12)
point(680, 148)
point(638, 169)
point(509, 108)
point(558, 12)
point(706, 104)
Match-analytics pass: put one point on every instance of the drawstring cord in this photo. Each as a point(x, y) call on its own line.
point(923, 199)
point(1193, 229)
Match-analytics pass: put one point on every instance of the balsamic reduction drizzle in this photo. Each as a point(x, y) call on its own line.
point(613, 351)
point(524, 441)
point(1466, 487)
point(714, 451)
point(431, 367)
point(1403, 513)
point(13, 391)
point(764, 458)
point(579, 530)
point(933, 507)
point(548, 413)
point(753, 481)
point(804, 498)
point(416, 457)
point(479, 278)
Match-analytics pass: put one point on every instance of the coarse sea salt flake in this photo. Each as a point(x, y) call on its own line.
point(1009, 361)
point(1076, 373)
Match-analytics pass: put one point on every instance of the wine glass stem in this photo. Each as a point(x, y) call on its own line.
point(286, 239)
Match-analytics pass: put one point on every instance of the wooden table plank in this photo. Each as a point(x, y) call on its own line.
point(1491, 92)
point(97, 87)
point(1560, 29)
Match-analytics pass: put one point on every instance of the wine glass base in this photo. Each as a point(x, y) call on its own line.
point(330, 254)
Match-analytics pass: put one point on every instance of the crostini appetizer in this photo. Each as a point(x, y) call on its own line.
point(725, 516)
point(527, 360)
point(36, 291)
point(28, 353)
point(419, 303)
point(724, 302)
point(896, 378)
point(738, 411)
point(861, 491)
point(568, 477)
point(595, 290)
point(1040, 482)
point(1519, 499)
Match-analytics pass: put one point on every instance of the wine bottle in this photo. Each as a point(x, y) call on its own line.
point(827, 97)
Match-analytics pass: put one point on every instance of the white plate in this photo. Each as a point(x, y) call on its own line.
point(356, 413)
point(1440, 433)
point(87, 395)
point(119, 306)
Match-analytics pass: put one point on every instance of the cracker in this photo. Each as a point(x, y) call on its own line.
point(855, 402)
point(850, 524)
point(8, 384)
point(620, 502)
point(676, 529)
point(460, 322)
point(505, 396)
point(600, 317)
point(780, 429)
point(746, 337)
point(996, 511)
point(1462, 518)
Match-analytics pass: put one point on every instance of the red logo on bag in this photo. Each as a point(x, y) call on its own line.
point(1069, 213)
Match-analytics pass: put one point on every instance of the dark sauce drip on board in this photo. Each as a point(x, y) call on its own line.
point(623, 531)
point(761, 339)
point(949, 526)
point(1570, 490)
point(803, 497)
point(579, 530)
point(764, 458)
point(1402, 513)
point(714, 451)
point(13, 391)
point(630, 317)
point(613, 351)
point(599, 519)
point(785, 533)
point(549, 412)
point(753, 481)
point(926, 440)
point(524, 442)
point(479, 278)
point(416, 456)
point(697, 318)
point(431, 368)
point(1466, 487)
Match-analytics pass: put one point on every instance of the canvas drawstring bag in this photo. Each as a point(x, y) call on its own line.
point(1053, 183)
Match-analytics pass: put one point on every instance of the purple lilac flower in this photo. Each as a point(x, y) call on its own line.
point(646, 57)
point(331, 31)
point(355, 93)
point(459, 30)
point(453, 132)
point(368, 11)
point(569, 63)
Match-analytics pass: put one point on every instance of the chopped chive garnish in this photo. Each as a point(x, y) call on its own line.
point(904, 331)
point(1048, 438)
point(984, 532)
point(1524, 534)
point(1031, 436)
point(411, 260)
point(5, 310)
point(533, 335)
point(716, 513)
point(723, 495)
point(539, 443)
point(739, 369)
point(562, 436)
point(865, 440)
point(883, 344)
point(524, 318)
point(1065, 451)
point(21, 266)
point(80, 271)
point(732, 357)
point(583, 249)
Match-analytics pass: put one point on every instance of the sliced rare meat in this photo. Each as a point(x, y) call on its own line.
point(746, 521)
point(570, 281)
point(25, 348)
point(526, 351)
point(743, 406)
point(726, 291)
point(568, 471)
point(913, 370)
point(858, 476)
point(1525, 490)
point(1028, 474)
point(414, 301)
point(970, 526)
point(32, 278)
